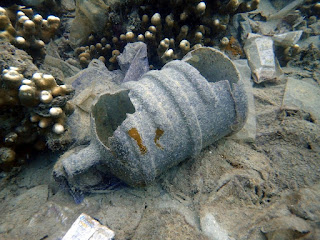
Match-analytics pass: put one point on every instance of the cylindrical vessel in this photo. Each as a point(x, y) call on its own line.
point(167, 116)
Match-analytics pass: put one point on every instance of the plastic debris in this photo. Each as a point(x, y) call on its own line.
point(86, 228)
point(134, 61)
point(88, 84)
point(248, 132)
point(169, 115)
point(97, 79)
point(67, 69)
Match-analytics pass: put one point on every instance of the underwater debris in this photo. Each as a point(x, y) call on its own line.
point(30, 109)
point(133, 61)
point(169, 28)
point(261, 58)
point(148, 126)
point(87, 228)
point(248, 132)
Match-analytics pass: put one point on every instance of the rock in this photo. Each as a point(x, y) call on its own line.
point(96, 77)
point(305, 203)
point(91, 16)
point(122, 211)
point(58, 215)
point(301, 131)
point(293, 165)
point(302, 95)
point(228, 165)
point(286, 228)
point(36, 173)
point(67, 69)
point(314, 40)
point(234, 182)
point(165, 224)
point(211, 228)
point(294, 19)
point(68, 5)
point(13, 57)
point(22, 208)
point(266, 8)
point(241, 25)
point(287, 39)
point(315, 28)
point(32, 3)
point(34, 197)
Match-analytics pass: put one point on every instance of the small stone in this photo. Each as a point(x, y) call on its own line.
point(211, 227)
point(302, 95)
point(287, 39)
point(286, 227)
point(69, 5)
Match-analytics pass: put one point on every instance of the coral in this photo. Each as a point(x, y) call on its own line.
point(169, 28)
point(291, 52)
point(7, 157)
point(26, 30)
point(305, 18)
point(308, 59)
point(31, 109)
point(7, 31)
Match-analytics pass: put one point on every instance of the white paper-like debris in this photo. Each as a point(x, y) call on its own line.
point(86, 228)
point(265, 50)
point(261, 58)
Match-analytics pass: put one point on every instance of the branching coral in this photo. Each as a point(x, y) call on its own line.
point(170, 28)
point(28, 31)
point(30, 110)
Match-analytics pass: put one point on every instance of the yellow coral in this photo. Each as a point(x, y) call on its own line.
point(27, 95)
point(27, 33)
point(200, 23)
